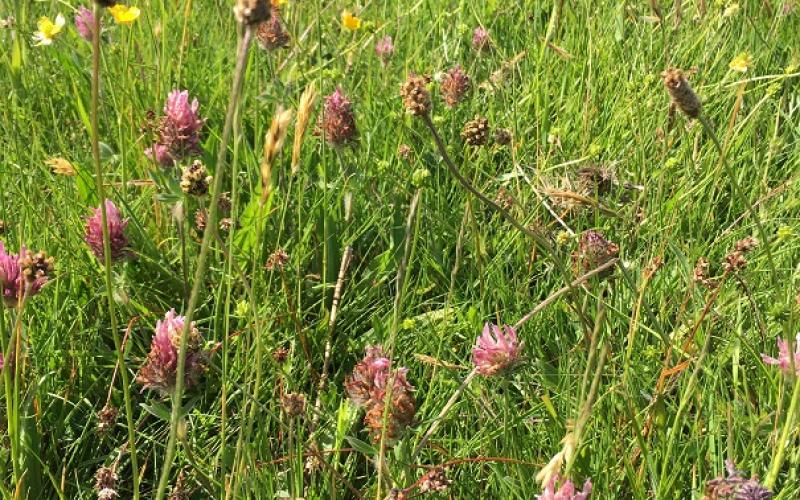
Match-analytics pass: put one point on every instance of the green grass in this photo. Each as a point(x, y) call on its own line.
point(601, 102)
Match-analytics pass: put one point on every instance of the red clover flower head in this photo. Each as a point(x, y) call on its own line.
point(84, 23)
point(480, 39)
point(455, 85)
point(160, 370)
point(736, 486)
point(384, 48)
point(337, 123)
point(116, 232)
point(496, 349)
point(178, 130)
point(22, 275)
point(567, 491)
point(783, 361)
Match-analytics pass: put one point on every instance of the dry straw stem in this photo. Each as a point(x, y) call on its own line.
point(273, 143)
point(304, 111)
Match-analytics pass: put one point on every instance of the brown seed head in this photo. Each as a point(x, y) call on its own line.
point(681, 92)
point(502, 136)
point(252, 11)
point(195, 179)
point(476, 132)
point(415, 94)
point(271, 35)
point(106, 418)
point(293, 404)
point(36, 266)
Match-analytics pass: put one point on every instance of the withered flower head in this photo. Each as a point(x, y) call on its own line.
point(404, 151)
point(271, 34)
point(402, 407)
point(434, 481)
point(415, 94)
point(277, 260)
point(251, 11)
point(106, 418)
point(594, 250)
point(476, 132)
point(596, 180)
point(105, 483)
point(280, 355)
point(455, 85)
point(337, 124)
point(293, 404)
point(502, 136)
point(195, 179)
point(35, 267)
point(681, 93)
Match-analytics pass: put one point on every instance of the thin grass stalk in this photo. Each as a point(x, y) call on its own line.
point(100, 187)
point(200, 271)
point(738, 193)
point(788, 428)
point(410, 232)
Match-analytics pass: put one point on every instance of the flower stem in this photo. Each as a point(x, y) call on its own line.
point(200, 271)
point(100, 187)
point(783, 441)
point(737, 192)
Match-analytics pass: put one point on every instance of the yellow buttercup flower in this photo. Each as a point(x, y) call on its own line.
point(48, 30)
point(350, 21)
point(741, 62)
point(124, 14)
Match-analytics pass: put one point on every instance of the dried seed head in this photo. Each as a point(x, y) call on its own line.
point(271, 35)
point(105, 478)
point(273, 144)
point(107, 494)
point(35, 267)
point(277, 260)
point(106, 418)
point(594, 250)
point(251, 11)
point(476, 132)
point(404, 151)
point(734, 262)
point(434, 481)
point(225, 224)
point(280, 355)
point(455, 86)
point(596, 180)
point(200, 219)
point(681, 92)
point(195, 179)
point(747, 244)
point(415, 94)
point(293, 404)
point(180, 490)
point(502, 136)
point(504, 199)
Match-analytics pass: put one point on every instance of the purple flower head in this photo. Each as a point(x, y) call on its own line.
point(567, 491)
point(736, 486)
point(160, 370)
point(455, 86)
point(178, 132)
point(361, 383)
point(384, 48)
point(84, 23)
point(496, 349)
point(480, 39)
point(337, 123)
point(22, 275)
point(116, 232)
point(783, 360)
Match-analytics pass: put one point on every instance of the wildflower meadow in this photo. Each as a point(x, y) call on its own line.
point(395, 249)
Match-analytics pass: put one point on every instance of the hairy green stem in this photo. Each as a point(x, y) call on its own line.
point(200, 271)
point(100, 187)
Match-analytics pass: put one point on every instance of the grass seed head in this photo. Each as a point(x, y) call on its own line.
point(304, 111)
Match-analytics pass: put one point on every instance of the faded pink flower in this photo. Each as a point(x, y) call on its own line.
point(337, 123)
point(480, 39)
point(116, 232)
point(567, 491)
point(783, 360)
point(496, 349)
point(361, 383)
point(84, 23)
point(160, 370)
point(455, 86)
point(13, 282)
point(384, 48)
point(178, 130)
